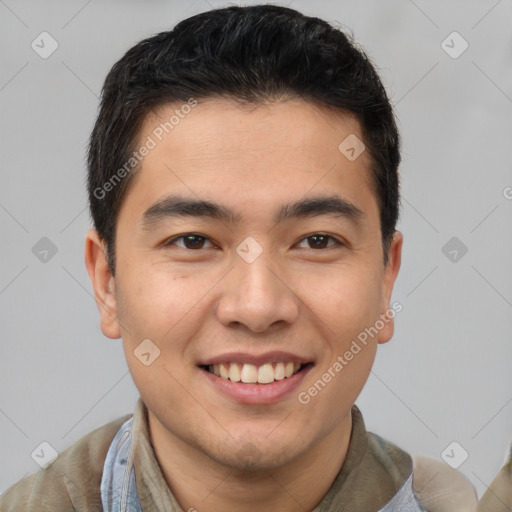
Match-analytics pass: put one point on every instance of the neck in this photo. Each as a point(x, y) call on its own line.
point(199, 482)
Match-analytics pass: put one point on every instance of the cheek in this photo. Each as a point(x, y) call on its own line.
point(154, 310)
point(346, 298)
point(152, 300)
point(165, 305)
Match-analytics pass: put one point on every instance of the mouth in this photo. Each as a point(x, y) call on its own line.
point(248, 373)
point(261, 379)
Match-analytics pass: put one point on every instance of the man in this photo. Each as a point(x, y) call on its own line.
point(244, 190)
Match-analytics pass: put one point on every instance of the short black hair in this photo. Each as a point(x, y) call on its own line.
point(252, 55)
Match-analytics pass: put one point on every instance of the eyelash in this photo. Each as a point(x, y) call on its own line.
point(171, 241)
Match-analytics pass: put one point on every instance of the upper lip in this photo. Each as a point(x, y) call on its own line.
point(257, 360)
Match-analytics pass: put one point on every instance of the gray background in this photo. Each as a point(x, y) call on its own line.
point(445, 377)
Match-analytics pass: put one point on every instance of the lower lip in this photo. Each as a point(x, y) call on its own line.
point(257, 393)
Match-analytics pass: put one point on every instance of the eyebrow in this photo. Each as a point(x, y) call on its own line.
point(175, 206)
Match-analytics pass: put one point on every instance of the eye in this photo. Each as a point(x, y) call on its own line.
point(319, 241)
point(189, 241)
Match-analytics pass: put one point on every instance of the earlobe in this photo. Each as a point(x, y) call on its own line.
point(387, 313)
point(102, 283)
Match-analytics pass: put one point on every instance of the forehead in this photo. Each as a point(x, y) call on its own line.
point(228, 150)
point(228, 125)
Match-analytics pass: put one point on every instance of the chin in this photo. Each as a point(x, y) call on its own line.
point(258, 455)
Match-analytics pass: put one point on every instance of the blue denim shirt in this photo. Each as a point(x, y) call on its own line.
point(118, 488)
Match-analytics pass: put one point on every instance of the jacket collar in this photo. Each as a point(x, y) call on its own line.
point(372, 474)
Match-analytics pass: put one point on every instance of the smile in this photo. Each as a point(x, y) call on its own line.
point(251, 374)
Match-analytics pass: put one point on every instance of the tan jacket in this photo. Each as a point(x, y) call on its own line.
point(373, 472)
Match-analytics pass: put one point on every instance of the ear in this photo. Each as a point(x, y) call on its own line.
point(390, 274)
point(103, 284)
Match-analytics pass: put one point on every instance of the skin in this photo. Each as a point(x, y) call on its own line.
point(198, 303)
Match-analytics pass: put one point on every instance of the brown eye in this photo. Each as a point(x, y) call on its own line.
point(319, 241)
point(189, 241)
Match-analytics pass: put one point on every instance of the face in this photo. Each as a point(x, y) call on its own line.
point(248, 247)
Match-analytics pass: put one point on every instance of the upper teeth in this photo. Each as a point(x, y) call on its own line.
point(250, 373)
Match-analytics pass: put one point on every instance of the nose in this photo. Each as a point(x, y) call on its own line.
point(258, 295)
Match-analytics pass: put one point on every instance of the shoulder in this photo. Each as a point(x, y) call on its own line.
point(439, 488)
point(71, 482)
point(498, 497)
